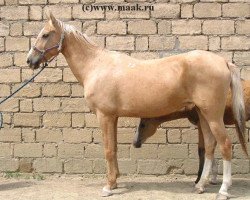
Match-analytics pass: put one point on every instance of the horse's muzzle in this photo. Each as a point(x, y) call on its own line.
point(33, 63)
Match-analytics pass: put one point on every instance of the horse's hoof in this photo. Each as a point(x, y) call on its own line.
point(106, 192)
point(222, 197)
point(199, 190)
point(213, 182)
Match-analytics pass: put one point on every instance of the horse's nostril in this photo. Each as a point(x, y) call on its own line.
point(28, 61)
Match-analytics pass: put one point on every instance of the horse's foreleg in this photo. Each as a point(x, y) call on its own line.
point(108, 125)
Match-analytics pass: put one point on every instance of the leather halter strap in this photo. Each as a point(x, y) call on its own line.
point(58, 46)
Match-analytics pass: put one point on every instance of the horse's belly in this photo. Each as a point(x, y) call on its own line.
point(151, 105)
point(147, 113)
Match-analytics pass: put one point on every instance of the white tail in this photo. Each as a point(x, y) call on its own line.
point(238, 105)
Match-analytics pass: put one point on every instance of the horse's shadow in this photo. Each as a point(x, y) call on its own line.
point(240, 187)
point(174, 187)
point(15, 185)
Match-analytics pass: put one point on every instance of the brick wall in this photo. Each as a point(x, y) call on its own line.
point(47, 126)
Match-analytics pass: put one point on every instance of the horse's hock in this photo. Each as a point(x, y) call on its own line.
point(47, 126)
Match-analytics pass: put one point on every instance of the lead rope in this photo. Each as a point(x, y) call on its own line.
point(59, 48)
point(22, 86)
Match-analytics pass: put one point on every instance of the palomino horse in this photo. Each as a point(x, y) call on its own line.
point(148, 127)
point(116, 85)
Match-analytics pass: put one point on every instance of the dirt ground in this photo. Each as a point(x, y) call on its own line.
point(129, 187)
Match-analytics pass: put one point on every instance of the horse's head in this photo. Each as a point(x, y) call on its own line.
point(48, 43)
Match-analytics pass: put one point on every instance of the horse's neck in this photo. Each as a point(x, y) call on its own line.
point(79, 54)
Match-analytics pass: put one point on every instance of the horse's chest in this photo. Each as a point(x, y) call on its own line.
point(89, 97)
point(101, 101)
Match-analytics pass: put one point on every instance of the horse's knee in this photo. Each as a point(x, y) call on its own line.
point(110, 154)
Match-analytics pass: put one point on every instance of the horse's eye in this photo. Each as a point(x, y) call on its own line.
point(45, 35)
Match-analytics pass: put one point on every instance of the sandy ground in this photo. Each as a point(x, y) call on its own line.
point(140, 187)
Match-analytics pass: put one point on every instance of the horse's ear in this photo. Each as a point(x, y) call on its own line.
point(52, 19)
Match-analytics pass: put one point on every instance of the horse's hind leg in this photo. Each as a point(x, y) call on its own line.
point(214, 180)
point(214, 118)
point(201, 153)
point(210, 143)
point(218, 129)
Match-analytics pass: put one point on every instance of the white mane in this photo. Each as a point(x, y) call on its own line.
point(69, 29)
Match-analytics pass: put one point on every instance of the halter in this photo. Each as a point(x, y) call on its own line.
point(58, 46)
point(26, 82)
